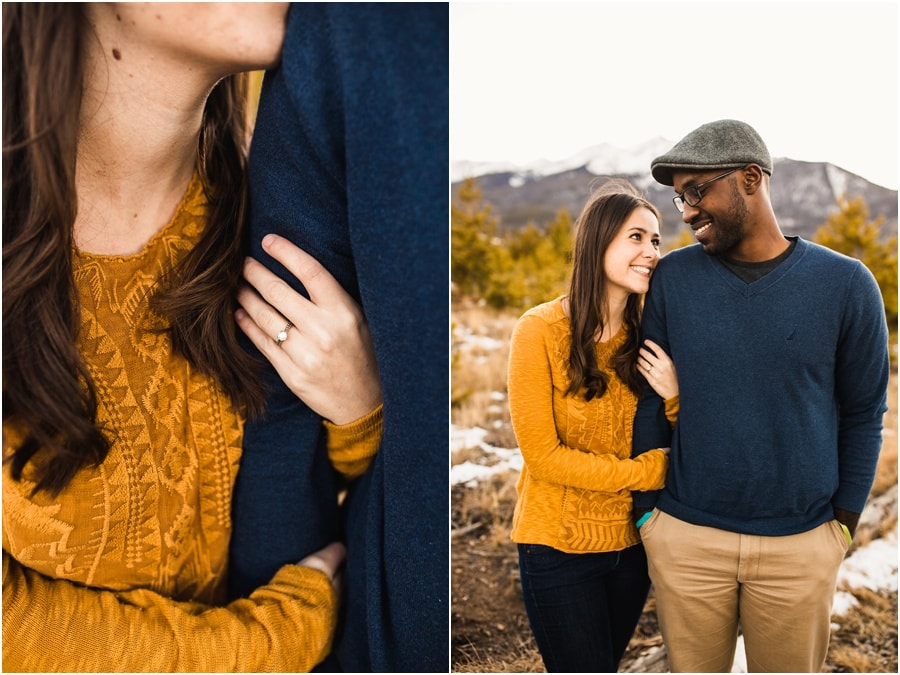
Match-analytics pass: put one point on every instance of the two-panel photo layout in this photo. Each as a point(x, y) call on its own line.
point(438, 337)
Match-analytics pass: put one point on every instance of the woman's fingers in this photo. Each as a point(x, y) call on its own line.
point(269, 321)
point(338, 308)
point(274, 290)
point(266, 344)
point(652, 351)
point(647, 361)
point(323, 288)
point(658, 369)
point(327, 357)
point(653, 355)
point(655, 347)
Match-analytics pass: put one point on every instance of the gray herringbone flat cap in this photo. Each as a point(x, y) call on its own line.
point(723, 144)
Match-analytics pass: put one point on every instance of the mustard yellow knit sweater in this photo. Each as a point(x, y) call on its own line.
point(574, 492)
point(125, 570)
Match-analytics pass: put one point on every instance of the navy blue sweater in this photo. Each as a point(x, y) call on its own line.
point(350, 161)
point(783, 386)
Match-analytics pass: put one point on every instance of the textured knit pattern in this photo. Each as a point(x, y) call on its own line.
point(57, 626)
point(352, 446)
point(574, 492)
point(143, 518)
point(783, 388)
point(92, 578)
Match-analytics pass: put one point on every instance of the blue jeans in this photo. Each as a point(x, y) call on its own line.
point(583, 607)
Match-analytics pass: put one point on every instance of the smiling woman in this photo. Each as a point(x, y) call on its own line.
point(631, 257)
point(574, 380)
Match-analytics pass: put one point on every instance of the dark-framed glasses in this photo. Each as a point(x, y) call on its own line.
point(692, 195)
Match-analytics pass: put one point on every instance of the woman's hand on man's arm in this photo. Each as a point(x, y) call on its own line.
point(321, 346)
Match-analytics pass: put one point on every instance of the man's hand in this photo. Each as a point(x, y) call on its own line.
point(848, 518)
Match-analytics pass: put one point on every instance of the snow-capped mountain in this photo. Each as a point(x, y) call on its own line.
point(604, 159)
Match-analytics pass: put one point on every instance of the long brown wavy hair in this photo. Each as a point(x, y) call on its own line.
point(47, 391)
point(600, 220)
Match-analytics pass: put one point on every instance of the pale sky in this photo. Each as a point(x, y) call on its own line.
point(817, 80)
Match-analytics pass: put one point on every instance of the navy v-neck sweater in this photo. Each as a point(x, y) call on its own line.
point(783, 386)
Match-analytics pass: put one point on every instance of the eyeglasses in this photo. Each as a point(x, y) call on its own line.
point(692, 195)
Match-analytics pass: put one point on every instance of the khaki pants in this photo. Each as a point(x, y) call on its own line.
point(779, 590)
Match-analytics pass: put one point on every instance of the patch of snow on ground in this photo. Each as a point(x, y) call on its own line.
point(460, 439)
point(471, 341)
point(740, 657)
point(843, 603)
point(470, 473)
point(873, 566)
point(495, 459)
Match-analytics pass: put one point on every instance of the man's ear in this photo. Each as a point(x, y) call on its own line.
point(752, 178)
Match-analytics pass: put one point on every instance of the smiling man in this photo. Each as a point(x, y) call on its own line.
point(781, 351)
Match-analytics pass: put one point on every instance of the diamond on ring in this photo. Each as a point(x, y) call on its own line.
point(282, 336)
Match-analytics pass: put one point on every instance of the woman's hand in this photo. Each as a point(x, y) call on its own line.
point(328, 561)
point(658, 369)
point(321, 346)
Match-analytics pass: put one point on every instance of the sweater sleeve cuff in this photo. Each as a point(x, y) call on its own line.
point(672, 408)
point(850, 498)
point(352, 446)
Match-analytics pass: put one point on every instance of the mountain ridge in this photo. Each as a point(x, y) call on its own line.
point(804, 194)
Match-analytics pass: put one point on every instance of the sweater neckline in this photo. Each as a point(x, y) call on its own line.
point(193, 192)
point(764, 283)
point(613, 341)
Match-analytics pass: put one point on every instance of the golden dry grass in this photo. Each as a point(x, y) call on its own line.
point(480, 356)
point(861, 643)
point(886, 476)
point(481, 348)
point(525, 660)
point(489, 504)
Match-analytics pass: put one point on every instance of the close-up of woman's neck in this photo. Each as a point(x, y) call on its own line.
point(138, 138)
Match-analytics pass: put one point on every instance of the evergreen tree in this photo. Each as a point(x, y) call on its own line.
point(540, 261)
point(685, 238)
point(472, 230)
point(562, 236)
point(516, 271)
point(849, 231)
